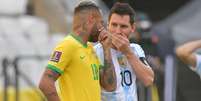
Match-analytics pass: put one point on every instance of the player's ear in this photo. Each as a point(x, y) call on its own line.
point(107, 25)
point(90, 19)
point(133, 27)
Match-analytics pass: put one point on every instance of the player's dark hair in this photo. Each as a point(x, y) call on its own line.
point(85, 5)
point(123, 9)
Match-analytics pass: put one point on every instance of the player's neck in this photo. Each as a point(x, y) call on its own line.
point(83, 36)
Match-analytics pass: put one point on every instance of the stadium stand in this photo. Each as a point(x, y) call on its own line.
point(23, 36)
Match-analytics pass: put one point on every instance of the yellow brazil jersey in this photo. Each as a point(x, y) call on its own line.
point(79, 69)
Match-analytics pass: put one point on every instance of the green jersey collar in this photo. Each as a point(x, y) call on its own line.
point(79, 39)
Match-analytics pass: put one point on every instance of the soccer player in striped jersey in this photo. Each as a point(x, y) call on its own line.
point(128, 58)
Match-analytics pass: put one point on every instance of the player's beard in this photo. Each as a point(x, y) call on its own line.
point(93, 37)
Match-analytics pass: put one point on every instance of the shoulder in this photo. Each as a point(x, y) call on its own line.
point(99, 52)
point(66, 44)
point(97, 46)
point(134, 45)
point(137, 49)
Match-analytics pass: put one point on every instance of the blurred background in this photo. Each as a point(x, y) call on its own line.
point(29, 30)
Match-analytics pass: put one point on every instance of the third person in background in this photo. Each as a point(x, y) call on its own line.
point(186, 53)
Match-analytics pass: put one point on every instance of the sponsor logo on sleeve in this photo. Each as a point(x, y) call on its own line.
point(56, 56)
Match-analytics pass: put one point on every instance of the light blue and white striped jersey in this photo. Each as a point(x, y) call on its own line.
point(126, 78)
point(198, 64)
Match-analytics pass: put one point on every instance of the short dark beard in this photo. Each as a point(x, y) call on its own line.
point(93, 37)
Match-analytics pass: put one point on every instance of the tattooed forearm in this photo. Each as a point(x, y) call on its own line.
point(111, 79)
point(54, 93)
point(51, 75)
point(107, 72)
point(47, 85)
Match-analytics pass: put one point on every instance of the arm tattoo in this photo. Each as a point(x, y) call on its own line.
point(110, 79)
point(52, 94)
point(47, 85)
point(52, 75)
point(108, 76)
point(108, 72)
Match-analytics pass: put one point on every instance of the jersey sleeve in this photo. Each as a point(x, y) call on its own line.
point(198, 64)
point(60, 58)
point(137, 50)
point(140, 53)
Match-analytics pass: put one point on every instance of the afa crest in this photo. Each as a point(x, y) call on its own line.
point(122, 61)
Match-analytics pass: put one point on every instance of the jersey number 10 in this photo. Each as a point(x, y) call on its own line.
point(126, 78)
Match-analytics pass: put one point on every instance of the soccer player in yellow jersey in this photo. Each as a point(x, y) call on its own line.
point(74, 63)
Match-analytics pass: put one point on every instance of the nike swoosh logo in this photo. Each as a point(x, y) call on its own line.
point(82, 57)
